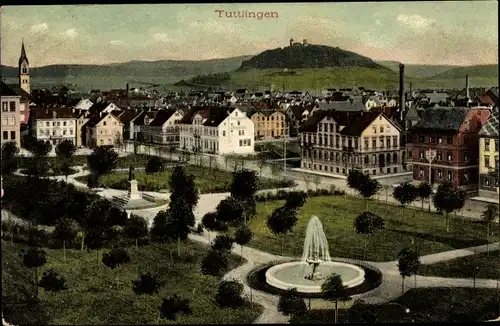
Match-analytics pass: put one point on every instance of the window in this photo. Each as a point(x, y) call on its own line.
point(4, 121)
point(449, 156)
point(238, 123)
point(53, 124)
point(395, 141)
point(449, 140)
point(388, 142)
point(487, 183)
point(53, 132)
point(466, 156)
point(64, 132)
point(12, 135)
point(440, 140)
point(466, 176)
point(487, 145)
point(381, 128)
point(440, 174)
point(4, 107)
point(449, 175)
point(421, 138)
point(421, 172)
point(439, 156)
point(356, 143)
point(366, 143)
point(421, 154)
point(374, 143)
point(104, 123)
point(5, 135)
point(64, 123)
point(496, 145)
point(12, 106)
point(223, 133)
point(58, 123)
point(487, 161)
point(374, 130)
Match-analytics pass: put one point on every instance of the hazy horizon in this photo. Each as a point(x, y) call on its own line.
point(426, 33)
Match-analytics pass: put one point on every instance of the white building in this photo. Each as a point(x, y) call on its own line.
point(84, 105)
point(164, 129)
point(53, 124)
point(218, 130)
point(10, 114)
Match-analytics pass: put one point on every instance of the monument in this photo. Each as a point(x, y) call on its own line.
point(134, 199)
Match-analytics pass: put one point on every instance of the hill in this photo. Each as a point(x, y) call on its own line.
point(118, 74)
point(310, 56)
point(417, 71)
point(473, 71)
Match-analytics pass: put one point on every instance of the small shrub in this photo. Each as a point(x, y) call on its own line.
point(229, 294)
point(146, 284)
point(223, 243)
point(214, 263)
point(173, 306)
point(51, 282)
point(291, 304)
point(115, 258)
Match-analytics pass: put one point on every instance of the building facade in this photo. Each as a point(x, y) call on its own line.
point(103, 130)
point(53, 125)
point(452, 133)
point(10, 115)
point(164, 129)
point(269, 124)
point(336, 142)
point(488, 157)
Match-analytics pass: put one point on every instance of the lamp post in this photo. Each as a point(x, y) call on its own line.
point(430, 155)
point(474, 276)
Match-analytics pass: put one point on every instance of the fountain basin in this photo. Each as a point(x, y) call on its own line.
point(291, 275)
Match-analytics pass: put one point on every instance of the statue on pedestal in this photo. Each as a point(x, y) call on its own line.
point(131, 175)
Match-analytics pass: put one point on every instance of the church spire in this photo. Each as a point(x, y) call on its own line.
point(24, 57)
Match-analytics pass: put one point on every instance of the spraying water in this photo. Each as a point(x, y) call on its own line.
point(315, 243)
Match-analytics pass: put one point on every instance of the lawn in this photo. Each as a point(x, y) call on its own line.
point(337, 213)
point(56, 173)
point(489, 267)
point(102, 296)
point(207, 180)
point(426, 306)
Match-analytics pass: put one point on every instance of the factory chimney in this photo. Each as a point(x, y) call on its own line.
point(126, 94)
point(402, 100)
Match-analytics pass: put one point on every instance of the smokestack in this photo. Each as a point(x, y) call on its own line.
point(126, 94)
point(402, 100)
point(467, 87)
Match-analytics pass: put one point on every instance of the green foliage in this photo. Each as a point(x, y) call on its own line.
point(229, 294)
point(174, 305)
point(368, 223)
point(291, 304)
point(65, 149)
point(51, 282)
point(363, 183)
point(424, 190)
point(210, 79)
point(223, 243)
point(146, 284)
point(34, 257)
point(180, 219)
point(156, 164)
point(405, 193)
point(296, 199)
point(245, 184)
point(9, 158)
point(115, 258)
point(182, 185)
point(230, 210)
point(361, 312)
point(159, 230)
point(408, 262)
point(214, 263)
point(333, 289)
point(102, 161)
point(66, 229)
point(282, 220)
point(38, 164)
point(135, 227)
point(490, 214)
point(210, 222)
point(243, 235)
point(449, 198)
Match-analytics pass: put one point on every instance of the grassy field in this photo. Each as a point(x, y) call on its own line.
point(489, 267)
point(98, 295)
point(55, 174)
point(337, 213)
point(426, 306)
point(207, 180)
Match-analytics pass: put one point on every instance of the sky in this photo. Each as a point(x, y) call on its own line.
point(448, 32)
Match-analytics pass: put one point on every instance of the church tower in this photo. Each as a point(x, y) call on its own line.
point(24, 73)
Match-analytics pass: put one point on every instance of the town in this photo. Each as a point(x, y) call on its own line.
point(218, 204)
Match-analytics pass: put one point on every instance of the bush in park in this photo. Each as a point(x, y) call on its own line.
point(146, 284)
point(52, 282)
point(229, 294)
point(174, 305)
point(214, 263)
point(115, 258)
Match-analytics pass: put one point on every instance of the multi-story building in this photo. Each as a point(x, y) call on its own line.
point(268, 124)
point(488, 157)
point(336, 142)
point(452, 133)
point(218, 130)
point(81, 130)
point(10, 115)
point(53, 124)
point(103, 130)
point(164, 129)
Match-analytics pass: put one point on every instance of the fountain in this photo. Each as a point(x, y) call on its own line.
point(308, 274)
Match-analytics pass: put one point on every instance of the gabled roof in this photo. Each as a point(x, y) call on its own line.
point(94, 121)
point(48, 113)
point(490, 128)
point(360, 123)
point(128, 115)
point(25, 96)
point(441, 119)
point(6, 90)
point(162, 117)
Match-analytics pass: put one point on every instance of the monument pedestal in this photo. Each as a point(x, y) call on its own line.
point(133, 192)
point(133, 199)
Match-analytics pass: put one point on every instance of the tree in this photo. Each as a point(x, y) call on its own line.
point(115, 258)
point(361, 312)
point(334, 290)
point(159, 230)
point(156, 164)
point(281, 221)
point(9, 158)
point(223, 243)
point(355, 179)
point(214, 263)
point(424, 191)
point(51, 282)
point(102, 161)
point(243, 236)
point(146, 284)
point(448, 199)
point(367, 223)
point(368, 189)
point(116, 216)
point(34, 258)
point(230, 210)
point(66, 231)
point(174, 305)
point(408, 264)
point(363, 184)
point(135, 228)
point(229, 294)
point(405, 194)
point(295, 199)
point(489, 215)
point(65, 149)
point(290, 304)
point(38, 163)
point(243, 188)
